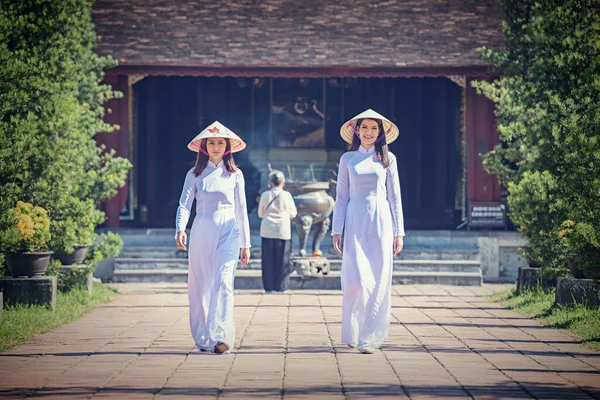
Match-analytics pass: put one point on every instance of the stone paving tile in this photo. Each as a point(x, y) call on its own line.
point(445, 342)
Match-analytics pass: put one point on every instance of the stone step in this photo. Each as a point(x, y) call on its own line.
point(442, 266)
point(408, 253)
point(251, 279)
point(415, 238)
point(450, 266)
point(496, 250)
point(149, 252)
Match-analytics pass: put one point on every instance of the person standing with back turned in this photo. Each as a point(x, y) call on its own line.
point(276, 208)
point(220, 235)
point(368, 211)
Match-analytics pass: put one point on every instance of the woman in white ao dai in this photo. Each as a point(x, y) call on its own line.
point(220, 235)
point(368, 211)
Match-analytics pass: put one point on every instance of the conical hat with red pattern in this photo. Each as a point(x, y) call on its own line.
point(218, 130)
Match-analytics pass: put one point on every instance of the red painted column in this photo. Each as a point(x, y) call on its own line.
point(117, 113)
point(482, 136)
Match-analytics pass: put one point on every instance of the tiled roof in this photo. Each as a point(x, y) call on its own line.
point(296, 33)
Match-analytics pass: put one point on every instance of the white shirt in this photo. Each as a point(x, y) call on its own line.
point(363, 179)
point(276, 223)
point(219, 195)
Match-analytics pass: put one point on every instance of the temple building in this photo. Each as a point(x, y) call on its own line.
point(285, 75)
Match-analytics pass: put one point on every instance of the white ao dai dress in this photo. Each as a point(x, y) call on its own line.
point(219, 230)
point(368, 210)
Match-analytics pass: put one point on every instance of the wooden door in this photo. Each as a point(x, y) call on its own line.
point(427, 112)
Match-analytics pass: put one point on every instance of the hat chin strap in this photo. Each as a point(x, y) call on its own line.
point(235, 147)
point(201, 150)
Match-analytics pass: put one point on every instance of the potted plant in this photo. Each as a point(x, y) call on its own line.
point(105, 247)
point(74, 231)
point(27, 230)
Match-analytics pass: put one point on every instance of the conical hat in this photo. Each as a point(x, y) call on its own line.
point(348, 130)
point(218, 130)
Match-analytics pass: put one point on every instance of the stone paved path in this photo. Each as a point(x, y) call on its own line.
point(445, 343)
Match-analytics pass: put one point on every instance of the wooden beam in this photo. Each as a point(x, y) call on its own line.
point(118, 114)
point(301, 72)
point(482, 136)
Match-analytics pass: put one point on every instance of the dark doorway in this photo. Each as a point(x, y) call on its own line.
point(169, 111)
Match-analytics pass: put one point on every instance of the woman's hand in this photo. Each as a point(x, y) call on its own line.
point(181, 240)
point(337, 242)
point(244, 257)
point(398, 244)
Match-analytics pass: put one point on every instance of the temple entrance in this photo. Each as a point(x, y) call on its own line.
point(295, 123)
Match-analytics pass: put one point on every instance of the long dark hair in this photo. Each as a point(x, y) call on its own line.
point(381, 147)
point(202, 159)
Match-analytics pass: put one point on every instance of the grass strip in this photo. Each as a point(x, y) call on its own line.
point(21, 323)
point(539, 304)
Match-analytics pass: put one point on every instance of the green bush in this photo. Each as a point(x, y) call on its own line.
point(105, 245)
point(581, 242)
point(547, 107)
point(69, 278)
point(534, 210)
point(51, 108)
point(75, 225)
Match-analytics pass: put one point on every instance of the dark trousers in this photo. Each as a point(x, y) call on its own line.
point(276, 268)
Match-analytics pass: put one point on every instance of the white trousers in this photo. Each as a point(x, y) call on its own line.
point(367, 268)
point(213, 255)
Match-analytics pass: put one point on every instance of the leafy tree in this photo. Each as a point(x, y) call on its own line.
point(548, 112)
point(51, 108)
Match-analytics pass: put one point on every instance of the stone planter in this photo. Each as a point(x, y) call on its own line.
point(28, 264)
point(39, 291)
point(532, 278)
point(76, 257)
point(1, 303)
point(578, 291)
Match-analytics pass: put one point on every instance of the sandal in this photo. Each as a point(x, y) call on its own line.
point(366, 350)
point(221, 348)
